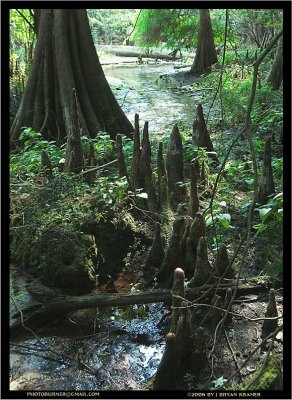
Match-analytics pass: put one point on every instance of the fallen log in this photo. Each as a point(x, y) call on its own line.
point(52, 310)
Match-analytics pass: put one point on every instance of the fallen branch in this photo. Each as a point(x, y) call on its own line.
point(50, 311)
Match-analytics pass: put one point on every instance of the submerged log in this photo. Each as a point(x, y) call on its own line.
point(134, 52)
point(135, 175)
point(55, 306)
point(173, 256)
point(174, 167)
point(266, 186)
point(194, 199)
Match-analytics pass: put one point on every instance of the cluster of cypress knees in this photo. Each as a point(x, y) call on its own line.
point(186, 255)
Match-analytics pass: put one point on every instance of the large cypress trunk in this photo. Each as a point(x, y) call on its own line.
point(206, 52)
point(65, 58)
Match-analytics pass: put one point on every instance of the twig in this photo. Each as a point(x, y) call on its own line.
point(191, 305)
point(272, 335)
point(26, 20)
point(96, 168)
point(232, 352)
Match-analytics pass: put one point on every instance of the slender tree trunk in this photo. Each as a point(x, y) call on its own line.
point(206, 52)
point(275, 75)
point(65, 58)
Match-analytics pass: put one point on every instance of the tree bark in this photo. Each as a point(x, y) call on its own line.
point(275, 76)
point(206, 52)
point(200, 136)
point(74, 153)
point(203, 267)
point(174, 167)
point(266, 186)
point(65, 58)
point(173, 255)
point(135, 174)
point(122, 167)
point(145, 170)
point(194, 199)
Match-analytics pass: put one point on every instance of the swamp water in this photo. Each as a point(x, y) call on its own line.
point(123, 352)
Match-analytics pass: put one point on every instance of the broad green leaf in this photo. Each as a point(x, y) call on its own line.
point(219, 382)
point(224, 219)
point(249, 181)
point(264, 213)
point(260, 227)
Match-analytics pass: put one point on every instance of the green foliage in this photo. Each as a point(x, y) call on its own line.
point(22, 41)
point(108, 191)
point(110, 26)
point(271, 215)
point(172, 27)
point(26, 163)
point(219, 382)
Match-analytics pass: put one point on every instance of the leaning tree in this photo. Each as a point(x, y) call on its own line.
point(275, 76)
point(65, 59)
point(206, 52)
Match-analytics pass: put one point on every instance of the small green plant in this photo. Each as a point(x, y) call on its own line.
point(219, 215)
point(26, 163)
point(271, 214)
point(219, 382)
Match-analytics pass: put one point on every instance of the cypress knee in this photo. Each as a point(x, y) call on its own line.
point(135, 175)
point(270, 325)
point(203, 268)
point(156, 253)
point(197, 230)
point(91, 162)
point(46, 164)
point(189, 259)
point(200, 136)
point(145, 170)
point(178, 354)
point(186, 234)
point(121, 158)
point(173, 254)
point(162, 179)
point(178, 293)
point(266, 186)
point(222, 262)
point(174, 167)
point(194, 199)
